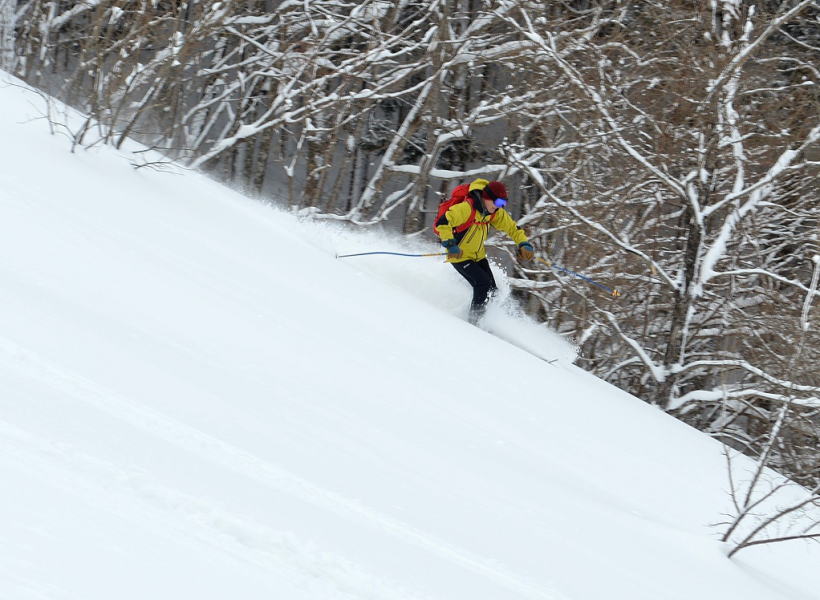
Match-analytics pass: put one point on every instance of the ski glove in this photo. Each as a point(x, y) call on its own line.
point(525, 251)
point(453, 251)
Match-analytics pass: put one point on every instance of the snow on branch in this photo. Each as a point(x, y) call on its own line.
point(658, 372)
point(760, 191)
point(78, 9)
point(763, 272)
point(751, 369)
point(744, 55)
point(549, 48)
point(717, 394)
point(536, 176)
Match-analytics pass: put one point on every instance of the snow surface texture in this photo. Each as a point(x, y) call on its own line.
point(198, 400)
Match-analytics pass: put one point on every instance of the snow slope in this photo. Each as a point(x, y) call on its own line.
point(197, 400)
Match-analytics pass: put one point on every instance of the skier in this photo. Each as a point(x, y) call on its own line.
point(463, 229)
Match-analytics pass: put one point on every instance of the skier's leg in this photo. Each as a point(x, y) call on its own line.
point(493, 288)
point(483, 292)
point(479, 275)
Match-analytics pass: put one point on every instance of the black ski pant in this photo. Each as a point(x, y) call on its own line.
point(479, 275)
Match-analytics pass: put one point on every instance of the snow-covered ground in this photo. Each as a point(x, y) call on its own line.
point(198, 400)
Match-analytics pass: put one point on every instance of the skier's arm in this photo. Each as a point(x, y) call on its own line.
point(504, 222)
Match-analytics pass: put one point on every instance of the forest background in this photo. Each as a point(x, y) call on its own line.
point(666, 148)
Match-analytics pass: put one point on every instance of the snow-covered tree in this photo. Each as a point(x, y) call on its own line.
point(697, 202)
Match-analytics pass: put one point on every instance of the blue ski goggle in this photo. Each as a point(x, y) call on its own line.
point(497, 200)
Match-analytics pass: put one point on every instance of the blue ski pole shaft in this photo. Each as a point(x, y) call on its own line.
point(612, 292)
point(390, 253)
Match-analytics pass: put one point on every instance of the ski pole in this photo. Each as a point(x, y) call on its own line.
point(391, 253)
point(612, 292)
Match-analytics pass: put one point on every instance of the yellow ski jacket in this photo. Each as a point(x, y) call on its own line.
point(472, 242)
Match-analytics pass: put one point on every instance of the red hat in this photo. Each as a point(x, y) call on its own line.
point(495, 189)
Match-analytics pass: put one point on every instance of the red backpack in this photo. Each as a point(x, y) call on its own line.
point(460, 194)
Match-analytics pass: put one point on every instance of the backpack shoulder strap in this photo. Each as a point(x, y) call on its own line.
point(469, 222)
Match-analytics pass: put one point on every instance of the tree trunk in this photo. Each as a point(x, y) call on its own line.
point(676, 344)
point(7, 56)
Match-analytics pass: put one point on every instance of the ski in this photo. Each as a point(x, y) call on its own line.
point(550, 361)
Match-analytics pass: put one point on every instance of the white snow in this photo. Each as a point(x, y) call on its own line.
point(198, 400)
